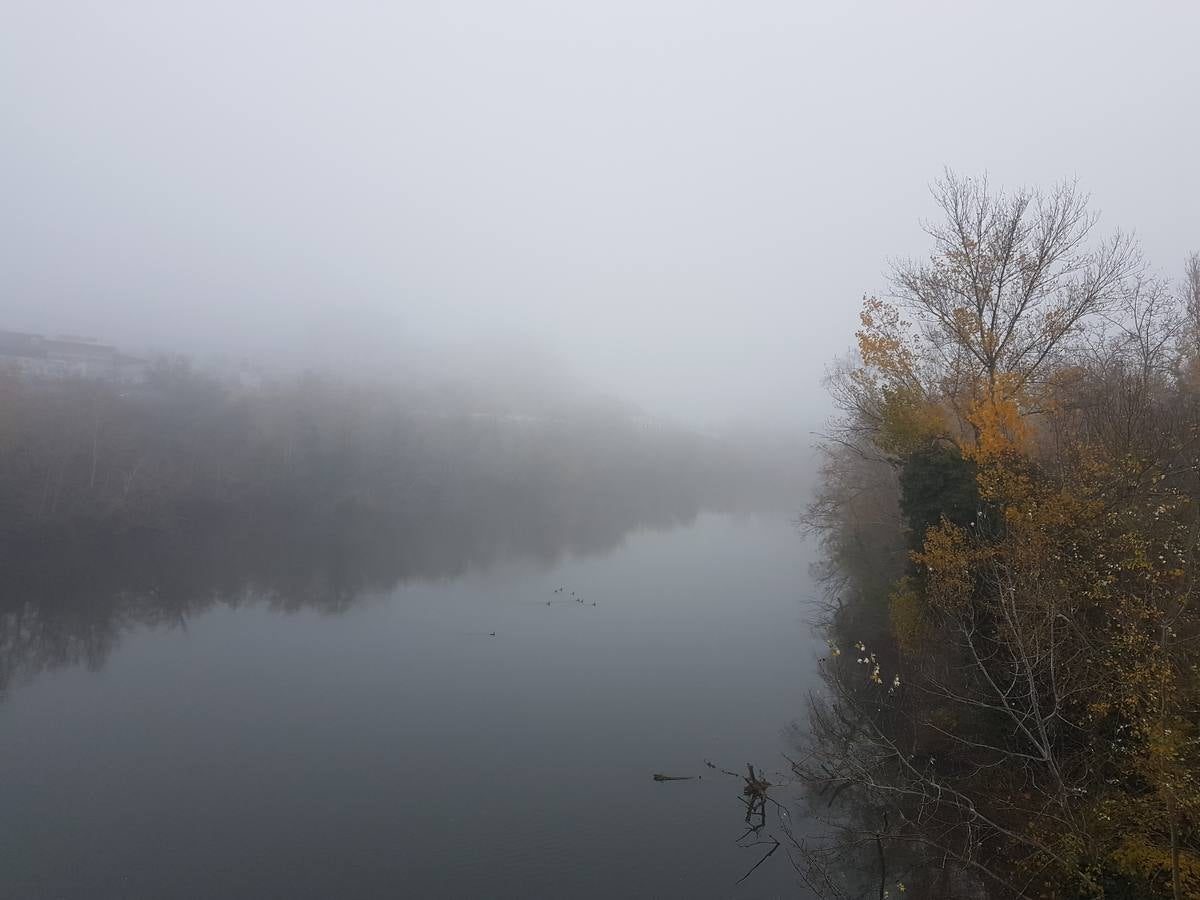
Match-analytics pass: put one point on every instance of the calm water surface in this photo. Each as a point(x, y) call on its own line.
point(388, 745)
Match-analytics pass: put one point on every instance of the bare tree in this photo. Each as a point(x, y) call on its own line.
point(1010, 279)
point(1190, 298)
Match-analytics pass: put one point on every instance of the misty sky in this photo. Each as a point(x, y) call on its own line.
point(683, 202)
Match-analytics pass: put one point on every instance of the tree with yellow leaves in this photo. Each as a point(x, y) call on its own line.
point(1030, 716)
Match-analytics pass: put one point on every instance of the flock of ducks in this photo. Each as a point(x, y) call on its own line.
point(559, 590)
point(577, 599)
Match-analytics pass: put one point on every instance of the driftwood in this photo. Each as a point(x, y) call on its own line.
point(756, 785)
point(755, 798)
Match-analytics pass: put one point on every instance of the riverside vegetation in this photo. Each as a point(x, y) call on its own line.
point(1010, 513)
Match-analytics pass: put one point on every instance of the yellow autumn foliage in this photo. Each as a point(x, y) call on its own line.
point(909, 618)
point(999, 426)
point(947, 559)
point(1137, 855)
point(885, 342)
point(909, 421)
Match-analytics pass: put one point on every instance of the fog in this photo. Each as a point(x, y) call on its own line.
point(680, 204)
point(442, 495)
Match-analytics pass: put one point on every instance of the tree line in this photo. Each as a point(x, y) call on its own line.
point(184, 448)
point(1010, 516)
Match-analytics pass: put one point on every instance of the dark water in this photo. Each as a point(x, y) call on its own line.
point(301, 732)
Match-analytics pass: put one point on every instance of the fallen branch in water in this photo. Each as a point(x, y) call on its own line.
point(755, 798)
point(774, 846)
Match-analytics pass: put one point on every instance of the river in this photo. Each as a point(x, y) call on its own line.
point(388, 744)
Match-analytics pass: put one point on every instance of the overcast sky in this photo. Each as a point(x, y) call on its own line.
point(683, 201)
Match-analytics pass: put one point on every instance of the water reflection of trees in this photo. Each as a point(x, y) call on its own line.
point(145, 505)
point(67, 597)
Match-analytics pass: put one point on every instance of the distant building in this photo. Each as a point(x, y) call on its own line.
point(36, 356)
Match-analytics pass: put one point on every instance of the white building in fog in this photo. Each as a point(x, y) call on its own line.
point(36, 356)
